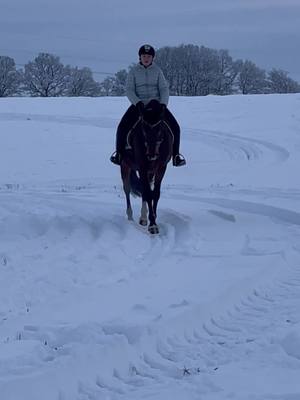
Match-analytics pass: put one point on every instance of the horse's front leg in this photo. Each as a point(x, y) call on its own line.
point(152, 203)
point(156, 190)
point(143, 218)
point(144, 210)
point(145, 201)
point(147, 195)
point(152, 228)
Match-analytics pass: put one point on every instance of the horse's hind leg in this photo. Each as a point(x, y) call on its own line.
point(125, 172)
point(129, 208)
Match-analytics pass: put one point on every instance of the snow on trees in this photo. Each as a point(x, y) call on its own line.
point(46, 76)
point(9, 77)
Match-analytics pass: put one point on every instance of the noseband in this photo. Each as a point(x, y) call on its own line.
point(149, 124)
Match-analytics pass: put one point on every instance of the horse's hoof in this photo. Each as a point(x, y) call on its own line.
point(153, 229)
point(143, 222)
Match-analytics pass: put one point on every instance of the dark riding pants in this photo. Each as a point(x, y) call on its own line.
point(131, 116)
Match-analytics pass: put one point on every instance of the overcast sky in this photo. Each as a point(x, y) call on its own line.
point(105, 34)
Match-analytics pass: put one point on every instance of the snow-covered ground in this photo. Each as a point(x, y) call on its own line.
point(92, 307)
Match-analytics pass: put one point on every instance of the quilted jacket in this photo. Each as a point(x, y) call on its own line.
point(144, 84)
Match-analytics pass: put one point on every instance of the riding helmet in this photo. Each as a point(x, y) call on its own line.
point(146, 49)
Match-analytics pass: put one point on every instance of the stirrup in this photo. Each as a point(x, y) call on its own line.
point(115, 158)
point(178, 160)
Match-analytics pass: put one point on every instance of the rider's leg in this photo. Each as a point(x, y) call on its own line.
point(178, 159)
point(124, 126)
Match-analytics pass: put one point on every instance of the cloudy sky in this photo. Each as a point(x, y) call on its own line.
point(105, 35)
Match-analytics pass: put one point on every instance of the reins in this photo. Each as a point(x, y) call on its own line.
point(142, 121)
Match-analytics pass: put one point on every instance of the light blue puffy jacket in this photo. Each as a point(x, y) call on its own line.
point(144, 84)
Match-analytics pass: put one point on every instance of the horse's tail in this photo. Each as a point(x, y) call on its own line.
point(135, 184)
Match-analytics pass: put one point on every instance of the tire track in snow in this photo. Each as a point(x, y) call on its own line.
point(103, 122)
point(277, 213)
point(230, 337)
point(201, 351)
point(194, 358)
point(239, 147)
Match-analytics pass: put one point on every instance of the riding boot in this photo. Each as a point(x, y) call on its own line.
point(178, 159)
point(116, 157)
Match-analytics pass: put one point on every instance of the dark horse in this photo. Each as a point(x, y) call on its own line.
point(143, 166)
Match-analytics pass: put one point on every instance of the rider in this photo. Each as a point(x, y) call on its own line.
point(146, 83)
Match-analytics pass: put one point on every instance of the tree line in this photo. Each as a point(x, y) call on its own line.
point(198, 71)
point(190, 70)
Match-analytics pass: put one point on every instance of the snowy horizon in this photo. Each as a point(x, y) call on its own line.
point(92, 307)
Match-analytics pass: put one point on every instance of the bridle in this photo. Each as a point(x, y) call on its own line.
point(154, 154)
point(143, 123)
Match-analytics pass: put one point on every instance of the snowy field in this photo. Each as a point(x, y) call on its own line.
point(92, 307)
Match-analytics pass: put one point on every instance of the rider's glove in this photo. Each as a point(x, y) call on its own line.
point(140, 107)
point(163, 108)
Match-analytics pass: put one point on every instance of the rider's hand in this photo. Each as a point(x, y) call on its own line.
point(140, 107)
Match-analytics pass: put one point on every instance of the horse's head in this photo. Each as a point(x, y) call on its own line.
point(152, 129)
point(153, 138)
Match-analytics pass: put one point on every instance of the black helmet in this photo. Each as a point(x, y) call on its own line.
point(147, 49)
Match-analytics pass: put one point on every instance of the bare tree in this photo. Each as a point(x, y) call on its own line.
point(107, 86)
point(280, 82)
point(252, 79)
point(10, 78)
point(170, 61)
point(208, 71)
point(226, 77)
point(82, 83)
point(181, 66)
point(46, 76)
point(198, 66)
point(119, 83)
point(197, 71)
point(115, 85)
